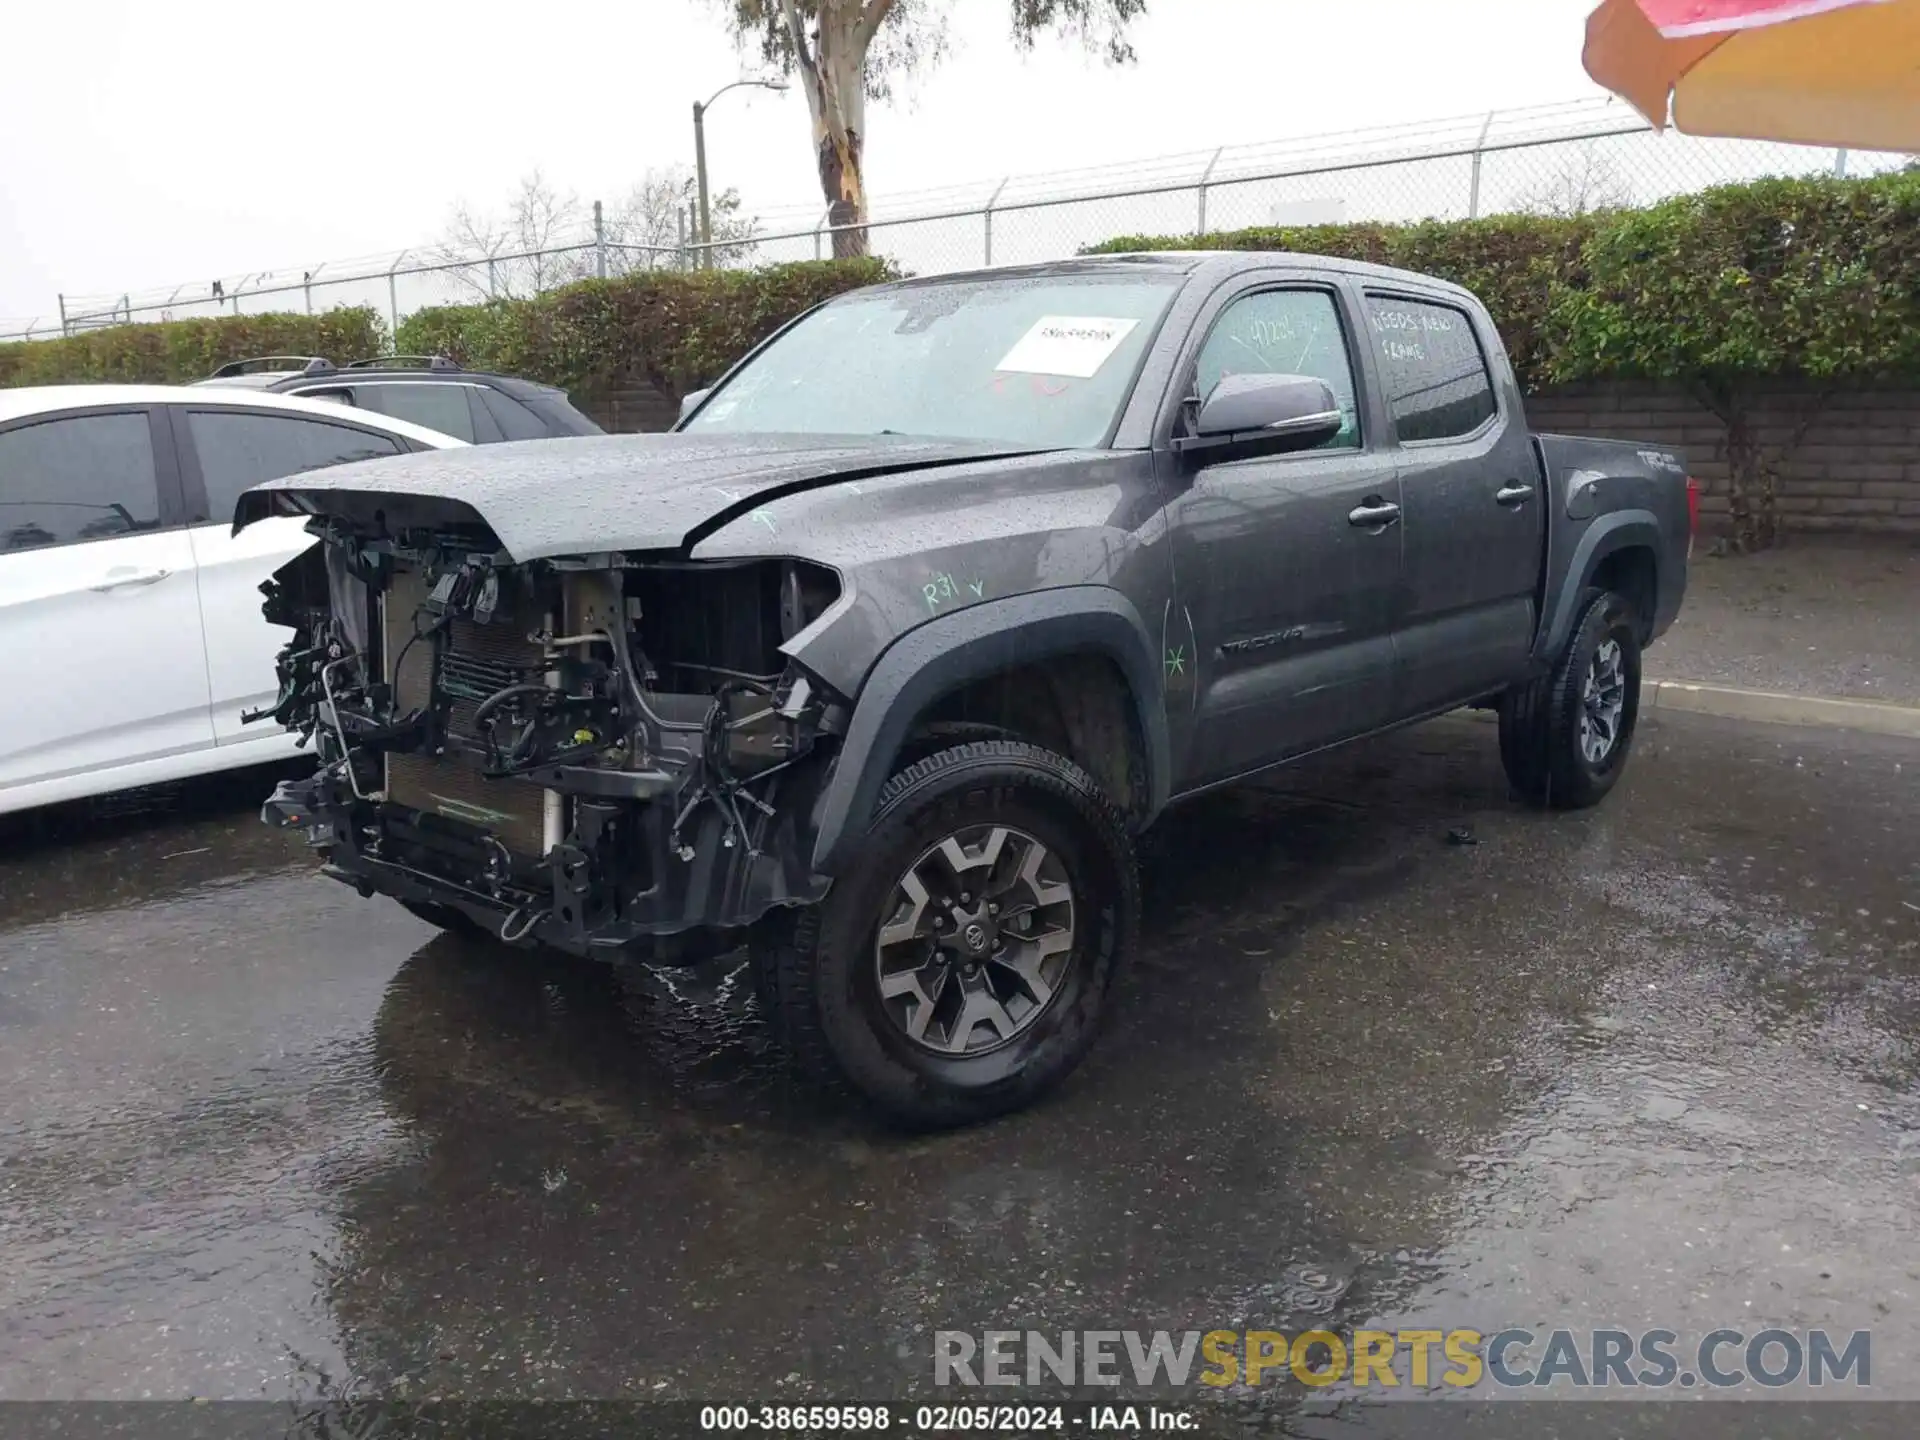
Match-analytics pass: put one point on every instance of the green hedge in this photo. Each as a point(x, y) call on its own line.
point(1816, 278)
point(1779, 278)
point(677, 331)
point(178, 351)
point(674, 330)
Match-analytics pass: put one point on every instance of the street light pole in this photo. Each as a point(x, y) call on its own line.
point(700, 171)
point(705, 237)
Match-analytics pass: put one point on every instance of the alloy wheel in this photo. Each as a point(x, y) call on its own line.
point(1603, 698)
point(975, 940)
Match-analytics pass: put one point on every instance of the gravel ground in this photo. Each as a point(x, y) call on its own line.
point(1812, 617)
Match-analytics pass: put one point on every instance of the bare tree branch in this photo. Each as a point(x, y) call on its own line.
point(647, 230)
point(470, 242)
point(522, 252)
point(540, 240)
point(1586, 182)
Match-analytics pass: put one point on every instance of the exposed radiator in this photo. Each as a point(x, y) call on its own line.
point(480, 659)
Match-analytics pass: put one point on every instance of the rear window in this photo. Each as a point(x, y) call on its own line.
point(238, 450)
point(436, 406)
point(516, 422)
point(1437, 382)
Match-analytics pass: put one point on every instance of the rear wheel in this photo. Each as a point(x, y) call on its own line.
point(960, 967)
point(1564, 739)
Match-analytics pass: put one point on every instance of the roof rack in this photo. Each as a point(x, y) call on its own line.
point(403, 362)
point(305, 364)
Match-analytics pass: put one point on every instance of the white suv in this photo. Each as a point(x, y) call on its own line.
point(131, 638)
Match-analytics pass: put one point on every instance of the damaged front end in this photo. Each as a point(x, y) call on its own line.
point(601, 753)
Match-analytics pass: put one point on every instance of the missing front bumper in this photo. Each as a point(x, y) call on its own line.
point(623, 878)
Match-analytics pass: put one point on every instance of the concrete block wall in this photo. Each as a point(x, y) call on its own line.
point(1857, 469)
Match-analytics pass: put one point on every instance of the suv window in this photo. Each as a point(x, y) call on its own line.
point(1284, 332)
point(89, 477)
point(515, 420)
point(437, 406)
point(238, 450)
point(1436, 377)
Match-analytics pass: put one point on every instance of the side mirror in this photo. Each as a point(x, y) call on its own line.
point(1265, 415)
point(691, 401)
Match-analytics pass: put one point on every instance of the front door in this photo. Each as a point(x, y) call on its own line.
point(1470, 487)
point(101, 658)
point(1286, 566)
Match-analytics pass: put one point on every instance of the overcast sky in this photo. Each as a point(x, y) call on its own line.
point(147, 144)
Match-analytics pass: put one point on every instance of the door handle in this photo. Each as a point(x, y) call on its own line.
point(1373, 514)
point(121, 576)
point(1513, 495)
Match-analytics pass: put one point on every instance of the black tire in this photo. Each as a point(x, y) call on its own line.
point(1542, 741)
point(816, 971)
point(454, 922)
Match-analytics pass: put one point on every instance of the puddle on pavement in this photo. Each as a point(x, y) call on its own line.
point(1586, 1068)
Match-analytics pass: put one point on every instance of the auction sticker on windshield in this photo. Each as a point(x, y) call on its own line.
point(1074, 345)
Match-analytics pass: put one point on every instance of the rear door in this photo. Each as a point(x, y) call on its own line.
point(1287, 566)
point(102, 660)
point(223, 451)
point(1469, 496)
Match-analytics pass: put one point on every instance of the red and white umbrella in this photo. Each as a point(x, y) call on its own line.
point(1818, 72)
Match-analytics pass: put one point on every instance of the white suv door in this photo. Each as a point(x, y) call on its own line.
point(102, 660)
point(224, 450)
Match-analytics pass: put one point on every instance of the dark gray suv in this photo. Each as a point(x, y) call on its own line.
point(471, 405)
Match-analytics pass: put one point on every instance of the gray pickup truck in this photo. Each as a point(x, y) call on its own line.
point(879, 663)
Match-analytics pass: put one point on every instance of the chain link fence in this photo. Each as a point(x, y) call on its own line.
point(1560, 159)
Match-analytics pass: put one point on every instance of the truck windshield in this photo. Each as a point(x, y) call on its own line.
point(1043, 361)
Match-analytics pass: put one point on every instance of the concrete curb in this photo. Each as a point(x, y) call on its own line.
point(1734, 704)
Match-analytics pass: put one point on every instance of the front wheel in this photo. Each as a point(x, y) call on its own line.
point(959, 967)
point(1564, 739)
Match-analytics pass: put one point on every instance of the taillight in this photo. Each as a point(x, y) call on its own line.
point(1693, 513)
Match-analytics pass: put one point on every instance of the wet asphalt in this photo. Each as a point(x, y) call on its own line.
point(1648, 1065)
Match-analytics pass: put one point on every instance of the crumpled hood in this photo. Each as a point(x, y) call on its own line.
point(544, 498)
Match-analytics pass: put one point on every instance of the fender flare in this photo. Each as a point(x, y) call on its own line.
point(952, 650)
point(1620, 530)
